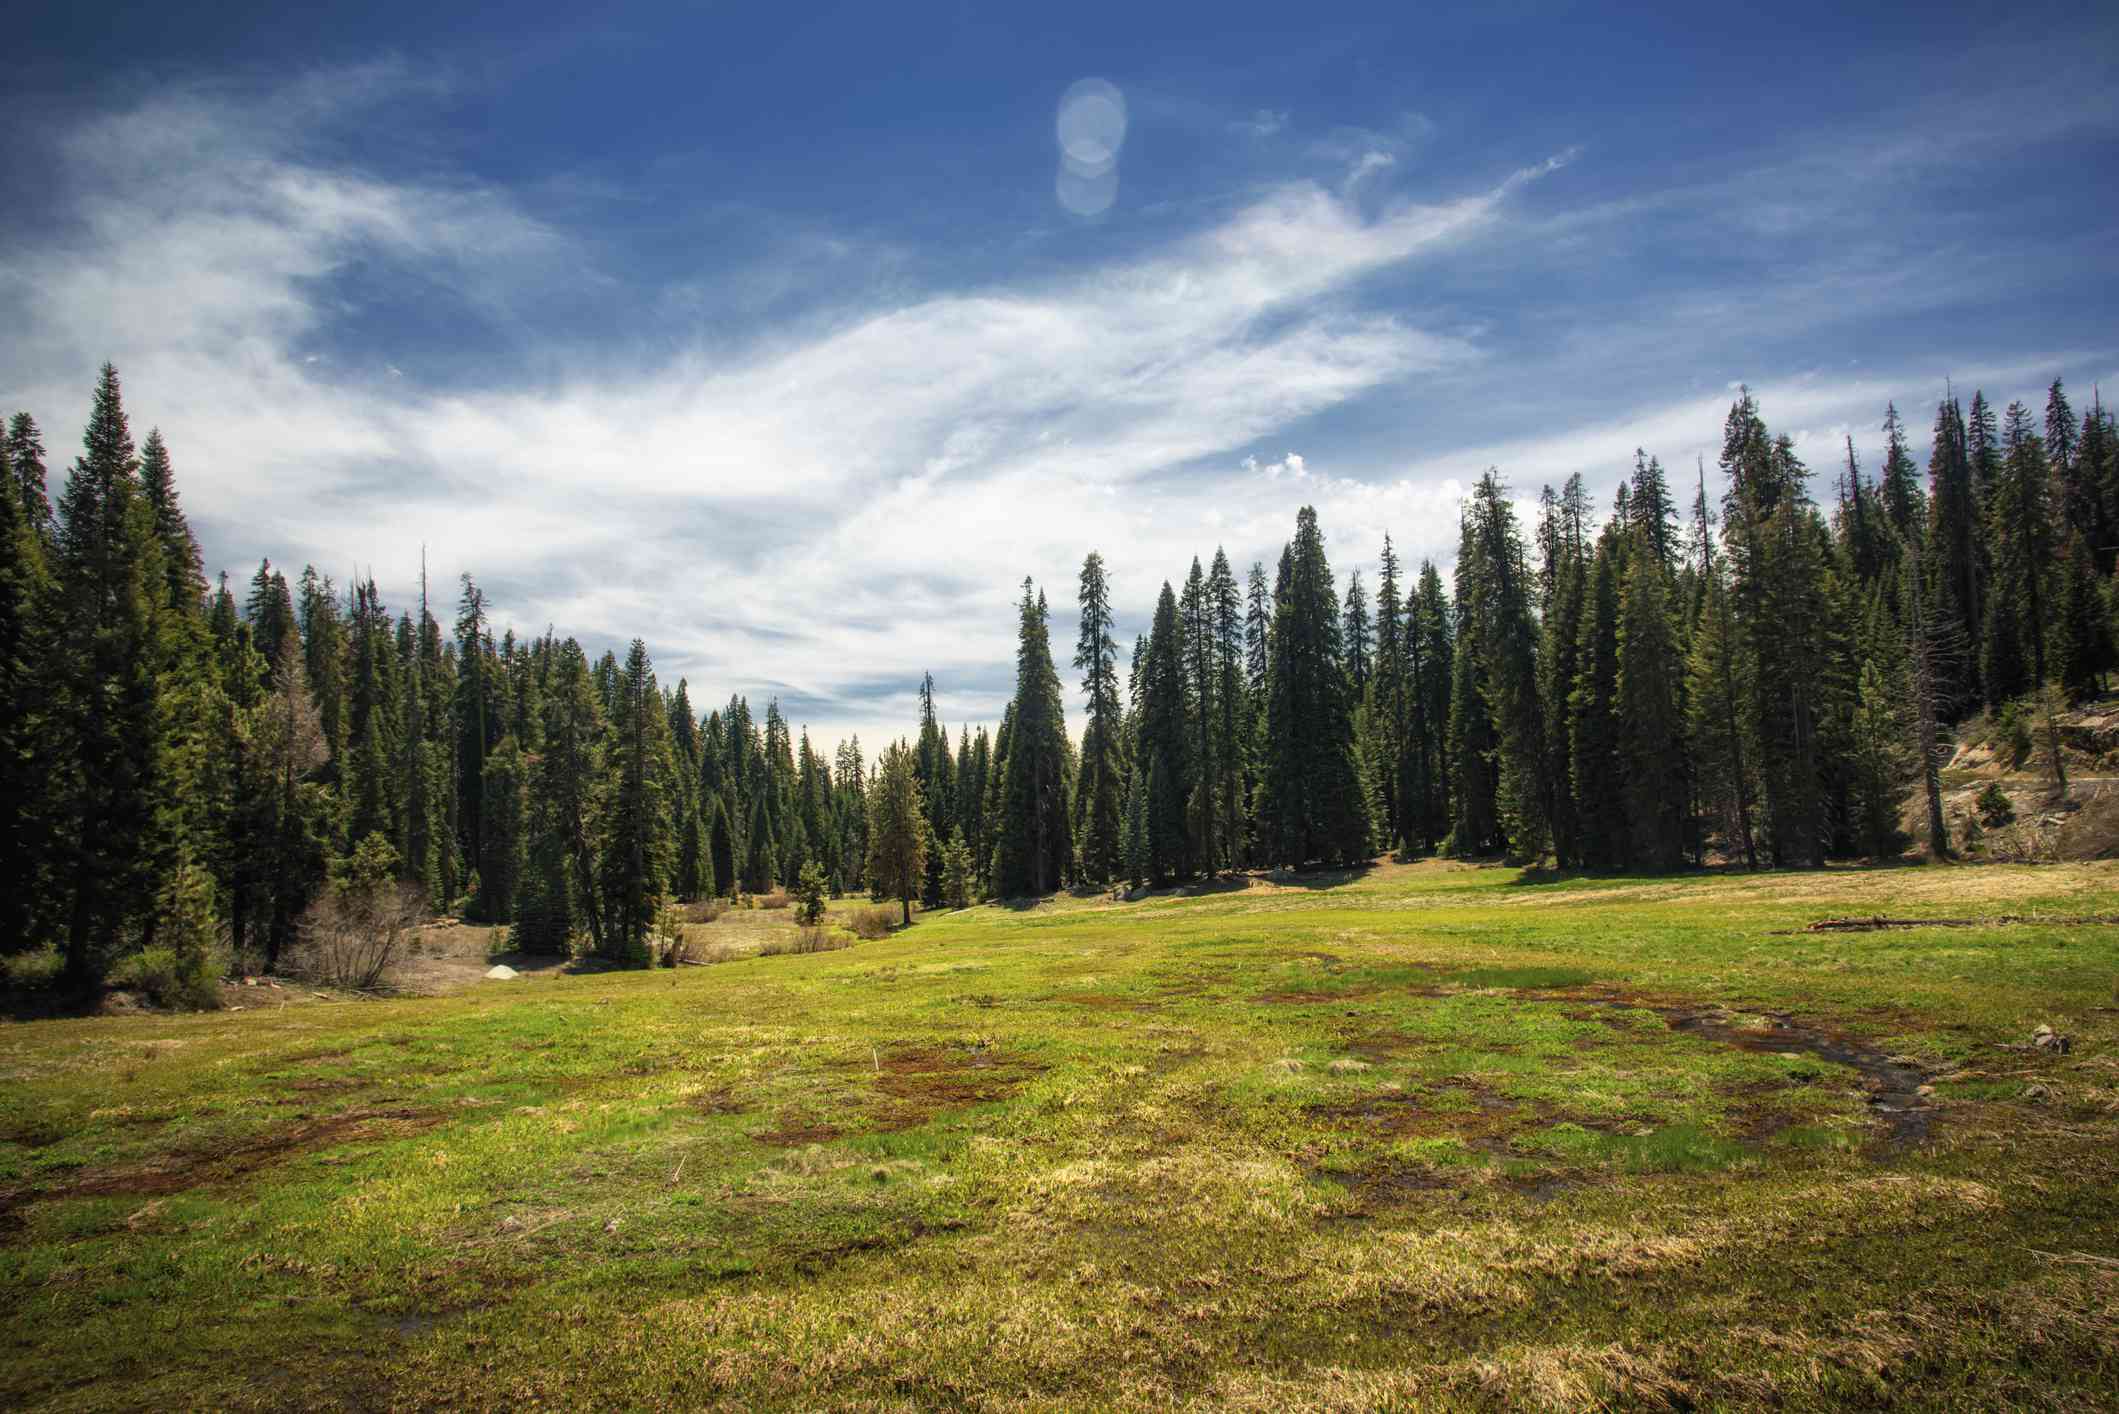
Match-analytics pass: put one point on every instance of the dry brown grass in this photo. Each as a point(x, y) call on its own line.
point(873, 921)
point(802, 940)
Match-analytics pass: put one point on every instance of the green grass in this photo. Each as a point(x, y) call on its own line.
point(1423, 1136)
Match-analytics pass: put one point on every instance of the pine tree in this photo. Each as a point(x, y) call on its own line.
point(636, 832)
point(2082, 637)
point(1137, 859)
point(504, 811)
point(184, 579)
point(1311, 804)
point(1431, 658)
point(1904, 506)
point(897, 829)
point(1097, 795)
point(568, 802)
point(1718, 695)
point(956, 871)
point(1163, 743)
point(1597, 749)
point(760, 854)
point(1033, 848)
point(1201, 683)
point(1494, 600)
point(1651, 514)
point(108, 582)
point(1564, 571)
point(1956, 571)
point(24, 598)
point(1651, 721)
point(1358, 641)
point(2025, 547)
point(1231, 733)
point(721, 849)
point(25, 459)
point(1776, 548)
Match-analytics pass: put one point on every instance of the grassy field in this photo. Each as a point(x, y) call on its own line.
point(1429, 1135)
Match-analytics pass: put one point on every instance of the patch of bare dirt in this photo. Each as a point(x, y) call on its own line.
point(924, 1080)
point(179, 1172)
point(792, 1135)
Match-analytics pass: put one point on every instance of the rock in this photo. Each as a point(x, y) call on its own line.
point(2037, 1092)
point(1925, 1091)
point(501, 972)
point(2045, 1038)
point(611, 1226)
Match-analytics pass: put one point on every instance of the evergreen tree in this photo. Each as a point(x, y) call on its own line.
point(184, 579)
point(1097, 796)
point(2019, 622)
point(1956, 570)
point(1904, 506)
point(897, 829)
point(1163, 742)
point(1650, 712)
point(25, 459)
point(1718, 695)
point(109, 580)
point(636, 854)
point(1311, 804)
point(1230, 734)
point(1597, 748)
point(2082, 638)
point(569, 799)
point(1564, 571)
point(956, 871)
point(1033, 848)
point(1494, 600)
point(721, 849)
point(24, 597)
point(504, 812)
point(1425, 776)
point(760, 856)
point(1359, 643)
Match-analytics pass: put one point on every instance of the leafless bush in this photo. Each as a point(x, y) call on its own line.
point(353, 937)
point(873, 922)
point(805, 940)
point(705, 910)
point(778, 898)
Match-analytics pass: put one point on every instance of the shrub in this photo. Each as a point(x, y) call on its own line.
point(809, 895)
point(24, 973)
point(872, 923)
point(354, 934)
point(705, 910)
point(171, 977)
point(805, 940)
point(778, 898)
point(1994, 806)
point(2014, 741)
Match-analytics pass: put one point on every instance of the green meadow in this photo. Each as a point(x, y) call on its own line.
point(1421, 1136)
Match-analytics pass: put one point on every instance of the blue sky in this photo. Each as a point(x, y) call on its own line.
point(788, 339)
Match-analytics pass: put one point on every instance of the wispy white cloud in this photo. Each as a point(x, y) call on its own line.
point(819, 515)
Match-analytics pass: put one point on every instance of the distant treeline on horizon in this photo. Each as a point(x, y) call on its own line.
point(1758, 679)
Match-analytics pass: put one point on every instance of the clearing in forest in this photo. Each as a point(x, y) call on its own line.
point(1422, 1135)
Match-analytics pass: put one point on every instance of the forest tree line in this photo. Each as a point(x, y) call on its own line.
point(191, 771)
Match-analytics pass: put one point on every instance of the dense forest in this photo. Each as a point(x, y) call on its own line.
point(1638, 689)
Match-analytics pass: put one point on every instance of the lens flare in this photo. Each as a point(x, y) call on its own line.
point(1092, 123)
point(1086, 193)
point(1091, 129)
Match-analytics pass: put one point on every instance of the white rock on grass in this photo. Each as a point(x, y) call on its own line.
point(501, 972)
